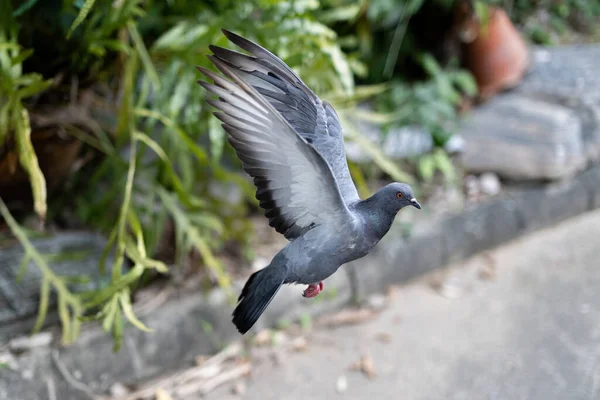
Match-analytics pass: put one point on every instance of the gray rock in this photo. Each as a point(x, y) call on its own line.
point(489, 184)
point(522, 138)
point(565, 71)
point(74, 253)
point(396, 143)
point(568, 75)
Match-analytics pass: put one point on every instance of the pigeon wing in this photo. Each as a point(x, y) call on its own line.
point(295, 185)
point(315, 120)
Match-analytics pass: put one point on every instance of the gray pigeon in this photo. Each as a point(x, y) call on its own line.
point(291, 143)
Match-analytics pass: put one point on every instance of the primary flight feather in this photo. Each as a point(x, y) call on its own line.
point(291, 143)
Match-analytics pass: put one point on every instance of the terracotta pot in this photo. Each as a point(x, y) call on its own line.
point(498, 56)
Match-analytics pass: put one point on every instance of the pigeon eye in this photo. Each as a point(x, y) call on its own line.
point(399, 195)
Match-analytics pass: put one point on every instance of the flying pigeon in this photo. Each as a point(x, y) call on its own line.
point(290, 142)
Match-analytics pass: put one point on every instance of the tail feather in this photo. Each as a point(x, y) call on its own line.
point(259, 290)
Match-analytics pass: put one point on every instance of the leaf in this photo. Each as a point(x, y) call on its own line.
point(465, 82)
point(25, 6)
point(115, 45)
point(377, 155)
point(341, 65)
point(109, 311)
point(444, 164)
point(143, 52)
point(125, 117)
point(5, 123)
point(63, 314)
point(217, 138)
point(83, 13)
point(118, 332)
point(430, 65)
point(359, 179)
point(128, 311)
point(170, 38)
point(116, 271)
point(345, 13)
point(43, 305)
point(426, 166)
point(98, 297)
point(23, 268)
point(29, 161)
point(193, 147)
point(34, 85)
point(64, 295)
point(22, 57)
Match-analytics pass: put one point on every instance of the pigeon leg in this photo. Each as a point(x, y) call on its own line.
point(313, 290)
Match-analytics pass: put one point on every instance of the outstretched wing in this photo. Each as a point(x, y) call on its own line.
point(295, 185)
point(316, 121)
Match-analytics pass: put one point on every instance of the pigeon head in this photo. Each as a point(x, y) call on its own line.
point(399, 195)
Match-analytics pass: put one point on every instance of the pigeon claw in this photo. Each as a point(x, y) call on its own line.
point(313, 290)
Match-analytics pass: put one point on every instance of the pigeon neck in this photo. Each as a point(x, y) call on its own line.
point(377, 214)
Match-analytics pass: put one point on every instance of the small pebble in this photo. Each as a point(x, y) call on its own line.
point(384, 337)
point(299, 344)
point(263, 337)
point(377, 301)
point(489, 184)
point(25, 343)
point(278, 338)
point(452, 288)
point(342, 384)
point(27, 374)
point(456, 144)
point(584, 308)
point(118, 390)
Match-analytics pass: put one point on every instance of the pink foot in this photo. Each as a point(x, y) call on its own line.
point(313, 290)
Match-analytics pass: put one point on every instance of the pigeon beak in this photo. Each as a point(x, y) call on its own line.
point(415, 203)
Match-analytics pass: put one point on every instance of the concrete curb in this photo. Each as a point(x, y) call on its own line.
point(482, 227)
point(200, 324)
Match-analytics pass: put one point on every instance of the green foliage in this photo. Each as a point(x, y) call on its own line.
point(431, 103)
point(136, 60)
point(16, 86)
point(438, 160)
point(155, 155)
point(546, 21)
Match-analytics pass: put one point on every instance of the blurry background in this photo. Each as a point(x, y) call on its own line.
point(115, 178)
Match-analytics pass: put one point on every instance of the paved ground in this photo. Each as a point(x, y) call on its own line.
point(528, 329)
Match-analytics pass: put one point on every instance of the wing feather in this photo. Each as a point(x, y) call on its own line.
point(315, 120)
point(295, 185)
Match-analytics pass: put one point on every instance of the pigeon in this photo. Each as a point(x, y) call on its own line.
point(291, 143)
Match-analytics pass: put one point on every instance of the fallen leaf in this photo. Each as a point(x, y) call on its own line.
point(278, 338)
point(201, 359)
point(299, 344)
point(384, 337)
point(347, 317)
point(365, 365)
point(263, 337)
point(488, 271)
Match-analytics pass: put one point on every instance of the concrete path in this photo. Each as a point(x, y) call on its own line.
point(521, 322)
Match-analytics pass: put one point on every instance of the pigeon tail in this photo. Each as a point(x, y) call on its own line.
point(259, 290)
